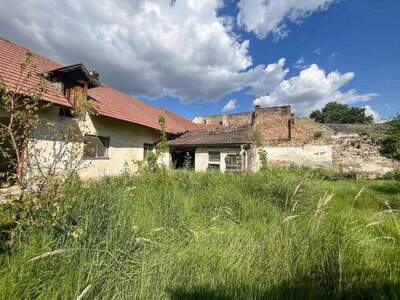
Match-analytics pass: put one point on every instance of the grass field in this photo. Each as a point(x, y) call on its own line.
point(181, 235)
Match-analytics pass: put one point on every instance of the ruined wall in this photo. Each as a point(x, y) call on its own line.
point(304, 131)
point(273, 123)
point(352, 153)
point(233, 120)
point(314, 156)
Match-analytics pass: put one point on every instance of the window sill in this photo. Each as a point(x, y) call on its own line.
point(95, 158)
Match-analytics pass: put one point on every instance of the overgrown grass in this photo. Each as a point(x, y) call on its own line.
point(181, 235)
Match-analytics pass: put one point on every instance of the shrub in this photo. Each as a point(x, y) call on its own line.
point(392, 175)
point(318, 135)
point(390, 146)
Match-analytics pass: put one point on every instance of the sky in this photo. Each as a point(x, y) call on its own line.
point(200, 57)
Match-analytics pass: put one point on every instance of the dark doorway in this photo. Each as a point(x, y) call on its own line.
point(7, 162)
point(183, 159)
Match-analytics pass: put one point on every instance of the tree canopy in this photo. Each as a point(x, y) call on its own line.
point(337, 113)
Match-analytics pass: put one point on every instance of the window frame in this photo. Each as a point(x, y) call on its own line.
point(213, 167)
point(100, 138)
point(233, 168)
point(147, 150)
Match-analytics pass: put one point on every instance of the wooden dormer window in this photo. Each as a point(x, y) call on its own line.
point(74, 81)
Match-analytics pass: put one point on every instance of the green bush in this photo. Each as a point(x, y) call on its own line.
point(390, 145)
point(392, 175)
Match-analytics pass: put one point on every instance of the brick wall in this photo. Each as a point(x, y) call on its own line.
point(234, 120)
point(304, 131)
point(273, 123)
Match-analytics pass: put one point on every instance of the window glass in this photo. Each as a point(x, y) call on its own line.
point(102, 146)
point(233, 162)
point(146, 149)
point(214, 156)
point(65, 112)
point(213, 167)
point(95, 146)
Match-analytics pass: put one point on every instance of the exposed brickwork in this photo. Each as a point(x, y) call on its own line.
point(273, 123)
point(233, 120)
point(305, 131)
point(276, 125)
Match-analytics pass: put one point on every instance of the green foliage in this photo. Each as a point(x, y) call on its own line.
point(318, 135)
point(390, 145)
point(187, 163)
point(275, 235)
point(393, 175)
point(256, 137)
point(162, 147)
point(337, 113)
point(262, 155)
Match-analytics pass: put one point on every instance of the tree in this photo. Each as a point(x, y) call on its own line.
point(44, 154)
point(337, 113)
point(390, 146)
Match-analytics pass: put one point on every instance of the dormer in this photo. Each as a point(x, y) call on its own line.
point(74, 81)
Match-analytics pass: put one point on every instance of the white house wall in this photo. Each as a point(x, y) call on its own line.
point(201, 157)
point(126, 142)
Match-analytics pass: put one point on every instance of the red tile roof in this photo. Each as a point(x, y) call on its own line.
point(107, 101)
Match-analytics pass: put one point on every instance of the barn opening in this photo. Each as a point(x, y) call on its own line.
point(183, 158)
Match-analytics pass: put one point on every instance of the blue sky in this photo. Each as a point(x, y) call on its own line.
point(352, 35)
point(193, 57)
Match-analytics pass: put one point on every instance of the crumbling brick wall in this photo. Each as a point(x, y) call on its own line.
point(233, 120)
point(273, 123)
point(305, 131)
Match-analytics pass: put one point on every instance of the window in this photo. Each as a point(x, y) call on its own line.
point(214, 156)
point(65, 112)
point(147, 148)
point(95, 146)
point(213, 167)
point(233, 162)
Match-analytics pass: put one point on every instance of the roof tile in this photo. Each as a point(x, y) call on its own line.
point(107, 101)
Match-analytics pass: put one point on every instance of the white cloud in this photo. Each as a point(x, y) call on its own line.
point(231, 105)
point(370, 112)
point(318, 51)
point(180, 48)
point(300, 63)
point(312, 89)
point(264, 17)
point(144, 47)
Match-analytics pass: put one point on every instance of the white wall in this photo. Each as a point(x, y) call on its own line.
point(308, 155)
point(126, 141)
point(201, 157)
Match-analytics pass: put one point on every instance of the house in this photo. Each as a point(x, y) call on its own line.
point(119, 128)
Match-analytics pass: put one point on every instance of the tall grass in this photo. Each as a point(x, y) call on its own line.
point(181, 235)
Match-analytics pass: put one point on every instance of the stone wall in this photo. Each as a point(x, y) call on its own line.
point(354, 153)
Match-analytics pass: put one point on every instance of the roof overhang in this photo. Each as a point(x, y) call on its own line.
point(77, 72)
